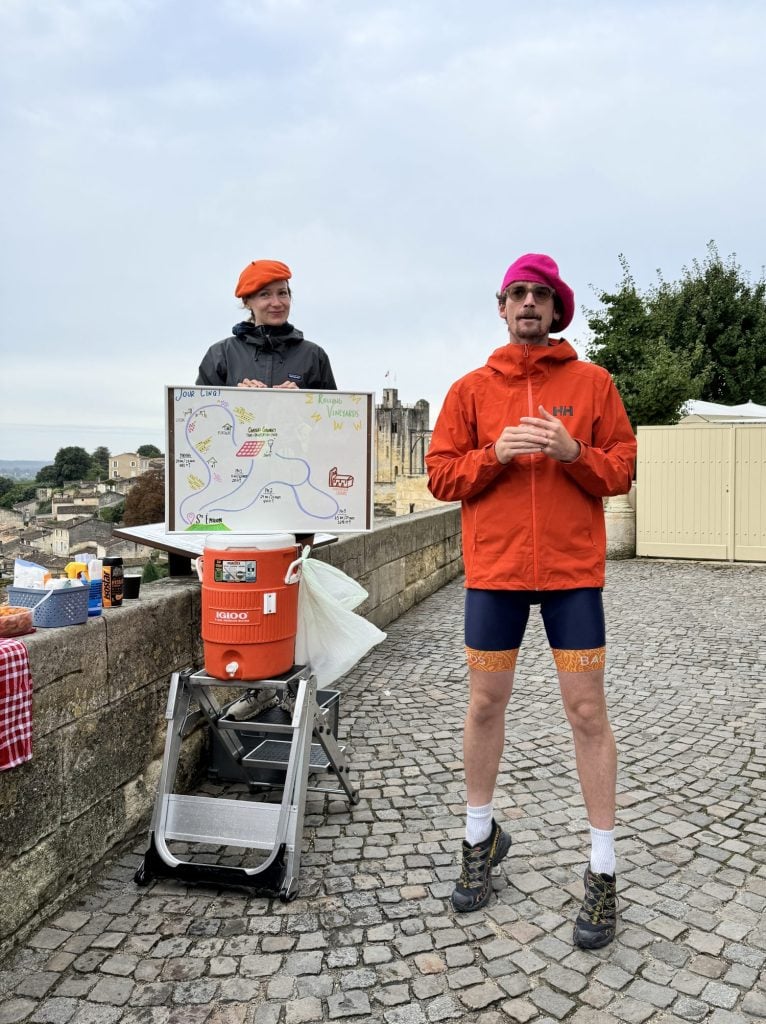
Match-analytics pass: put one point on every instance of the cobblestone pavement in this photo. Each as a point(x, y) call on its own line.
point(372, 936)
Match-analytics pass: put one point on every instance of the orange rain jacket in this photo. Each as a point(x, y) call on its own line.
point(535, 523)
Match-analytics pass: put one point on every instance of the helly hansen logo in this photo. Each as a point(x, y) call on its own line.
point(563, 410)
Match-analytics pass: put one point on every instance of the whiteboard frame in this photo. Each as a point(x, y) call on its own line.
point(253, 396)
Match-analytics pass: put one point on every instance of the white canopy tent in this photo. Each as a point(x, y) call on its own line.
point(712, 412)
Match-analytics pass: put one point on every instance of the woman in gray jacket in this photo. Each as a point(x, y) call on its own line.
point(266, 351)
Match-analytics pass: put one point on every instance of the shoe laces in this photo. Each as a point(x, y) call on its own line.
point(475, 865)
point(599, 901)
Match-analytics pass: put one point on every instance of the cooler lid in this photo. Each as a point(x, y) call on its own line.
point(244, 541)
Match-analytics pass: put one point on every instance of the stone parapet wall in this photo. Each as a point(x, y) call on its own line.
point(412, 495)
point(100, 693)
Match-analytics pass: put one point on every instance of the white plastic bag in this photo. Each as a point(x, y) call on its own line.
point(331, 638)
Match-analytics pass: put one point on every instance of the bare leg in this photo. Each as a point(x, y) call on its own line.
point(595, 750)
point(484, 732)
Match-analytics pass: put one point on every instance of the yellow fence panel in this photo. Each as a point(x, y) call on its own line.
point(683, 490)
point(750, 494)
point(701, 491)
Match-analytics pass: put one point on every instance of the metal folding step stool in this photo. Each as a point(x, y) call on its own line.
point(254, 825)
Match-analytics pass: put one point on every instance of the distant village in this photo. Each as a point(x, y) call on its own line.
point(61, 523)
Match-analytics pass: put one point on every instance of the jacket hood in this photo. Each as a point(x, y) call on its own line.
point(513, 360)
point(263, 335)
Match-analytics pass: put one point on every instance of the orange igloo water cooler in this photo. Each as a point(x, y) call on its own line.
point(249, 605)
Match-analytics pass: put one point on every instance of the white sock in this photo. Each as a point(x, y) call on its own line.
point(602, 858)
point(478, 824)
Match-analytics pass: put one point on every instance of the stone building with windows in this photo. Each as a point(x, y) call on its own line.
point(402, 437)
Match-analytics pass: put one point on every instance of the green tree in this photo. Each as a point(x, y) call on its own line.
point(149, 451)
point(145, 502)
point(703, 336)
point(47, 476)
point(112, 513)
point(6, 483)
point(69, 464)
point(21, 490)
point(72, 463)
point(152, 571)
point(100, 461)
point(716, 315)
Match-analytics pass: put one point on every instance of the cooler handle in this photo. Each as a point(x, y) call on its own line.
point(293, 573)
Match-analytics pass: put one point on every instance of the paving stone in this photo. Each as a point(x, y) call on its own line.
point(613, 976)
point(631, 1010)
point(231, 1013)
point(267, 1013)
point(303, 1011)
point(514, 984)
point(520, 1010)
point(528, 962)
point(309, 985)
point(152, 994)
point(564, 980)
point(597, 996)
point(655, 995)
point(743, 977)
point(690, 1009)
point(36, 985)
point(348, 1004)
point(261, 966)
point(76, 986)
point(479, 996)
point(405, 1015)
point(430, 963)
point(14, 1010)
point(202, 990)
point(428, 986)
point(443, 1008)
point(392, 995)
point(281, 986)
point(707, 966)
point(115, 991)
point(55, 1011)
point(716, 994)
point(551, 1002)
point(754, 1003)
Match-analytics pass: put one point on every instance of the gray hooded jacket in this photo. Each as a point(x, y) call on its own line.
point(273, 355)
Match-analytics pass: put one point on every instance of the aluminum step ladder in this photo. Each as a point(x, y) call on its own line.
point(301, 746)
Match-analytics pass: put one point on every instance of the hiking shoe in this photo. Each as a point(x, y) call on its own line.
point(474, 886)
point(597, 920)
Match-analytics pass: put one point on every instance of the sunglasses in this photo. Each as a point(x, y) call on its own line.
point(541, 293)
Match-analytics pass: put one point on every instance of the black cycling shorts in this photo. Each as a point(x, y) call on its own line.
point(495, 621)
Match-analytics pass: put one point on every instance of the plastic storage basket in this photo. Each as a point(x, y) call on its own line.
point(68, 607)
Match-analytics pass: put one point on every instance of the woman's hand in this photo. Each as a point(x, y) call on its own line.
point(288, 385)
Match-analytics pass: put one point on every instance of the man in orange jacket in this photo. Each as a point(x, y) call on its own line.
point(530, 444)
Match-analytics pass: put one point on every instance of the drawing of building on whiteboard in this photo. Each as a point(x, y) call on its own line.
point(267, 460)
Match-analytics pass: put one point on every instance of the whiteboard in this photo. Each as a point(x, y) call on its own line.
point(263, 460)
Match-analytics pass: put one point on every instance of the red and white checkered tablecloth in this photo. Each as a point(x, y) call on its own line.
point(15, 704)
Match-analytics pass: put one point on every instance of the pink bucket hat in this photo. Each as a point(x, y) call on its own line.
point(541, 269)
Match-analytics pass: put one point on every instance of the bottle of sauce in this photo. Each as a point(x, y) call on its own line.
point(112, 582)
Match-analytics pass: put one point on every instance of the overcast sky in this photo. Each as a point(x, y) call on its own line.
point(397, 155)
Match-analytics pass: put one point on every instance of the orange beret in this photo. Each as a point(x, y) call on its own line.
point(258, 274)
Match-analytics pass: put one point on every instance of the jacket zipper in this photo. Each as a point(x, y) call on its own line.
point(532, 473)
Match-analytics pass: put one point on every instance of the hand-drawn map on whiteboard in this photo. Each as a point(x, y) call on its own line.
point(260, 460)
